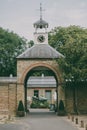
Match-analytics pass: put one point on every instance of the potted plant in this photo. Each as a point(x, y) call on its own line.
point(61, 109)
point(20, 110)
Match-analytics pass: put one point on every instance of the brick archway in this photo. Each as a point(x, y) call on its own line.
point(25, 66)
point(53, 68)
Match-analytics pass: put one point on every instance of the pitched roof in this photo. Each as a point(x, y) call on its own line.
point(40, 51)
point(39, 81)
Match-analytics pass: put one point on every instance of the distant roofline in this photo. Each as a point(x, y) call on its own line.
point(8, 79)
point(33, 81)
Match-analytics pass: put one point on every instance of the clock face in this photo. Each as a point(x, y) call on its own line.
point(41, 38)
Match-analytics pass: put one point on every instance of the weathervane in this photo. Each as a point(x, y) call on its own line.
point(41, 11)
point(40, 24)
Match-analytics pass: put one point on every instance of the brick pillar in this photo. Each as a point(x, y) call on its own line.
point(12, 103)
point(20, 93)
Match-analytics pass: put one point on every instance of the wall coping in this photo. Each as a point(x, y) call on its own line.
point(8, 79)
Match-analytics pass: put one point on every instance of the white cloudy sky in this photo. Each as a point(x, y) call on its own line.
point(19, 15)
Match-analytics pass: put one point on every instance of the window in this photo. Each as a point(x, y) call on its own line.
point(48, 95)
point(36, 93)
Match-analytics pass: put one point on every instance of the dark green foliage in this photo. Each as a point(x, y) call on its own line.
point(20, 106)
point(11, 45)
point(61, 105)
point(72, 43)
point(30, 43)
point(34, 105)
point(20, 110)
point(61, 109)
point(39, 103)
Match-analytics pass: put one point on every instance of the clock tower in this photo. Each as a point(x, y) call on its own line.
point(40, 34)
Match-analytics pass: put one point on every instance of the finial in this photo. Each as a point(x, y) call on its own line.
point(41, 23)
point(41, 11)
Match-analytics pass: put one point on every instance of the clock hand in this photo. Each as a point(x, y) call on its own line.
point(40, 38)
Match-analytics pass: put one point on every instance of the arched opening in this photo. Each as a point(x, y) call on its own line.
point(38, 71)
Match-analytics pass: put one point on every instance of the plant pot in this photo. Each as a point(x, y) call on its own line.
point(20, 113)
point(61, 113)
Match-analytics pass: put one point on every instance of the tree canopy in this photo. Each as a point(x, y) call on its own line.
point(72, 43)
point(11, 45)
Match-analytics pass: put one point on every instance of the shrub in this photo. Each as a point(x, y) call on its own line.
point(61, 105)
point(20, 110)
point(20, 106)
point(61, 110)
point(39, 104)
point(34, 105)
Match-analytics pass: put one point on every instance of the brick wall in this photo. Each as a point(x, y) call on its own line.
point(4, 99)
point(9, 95)
point(8, 98)
point(80, 99)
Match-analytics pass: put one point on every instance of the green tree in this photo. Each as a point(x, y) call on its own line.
point(72, 43)
point(11, 45)
point(30, 43)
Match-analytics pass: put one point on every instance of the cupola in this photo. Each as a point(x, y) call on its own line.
point(40, 24)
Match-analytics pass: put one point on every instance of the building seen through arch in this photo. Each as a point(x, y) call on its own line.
point(43, 87)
